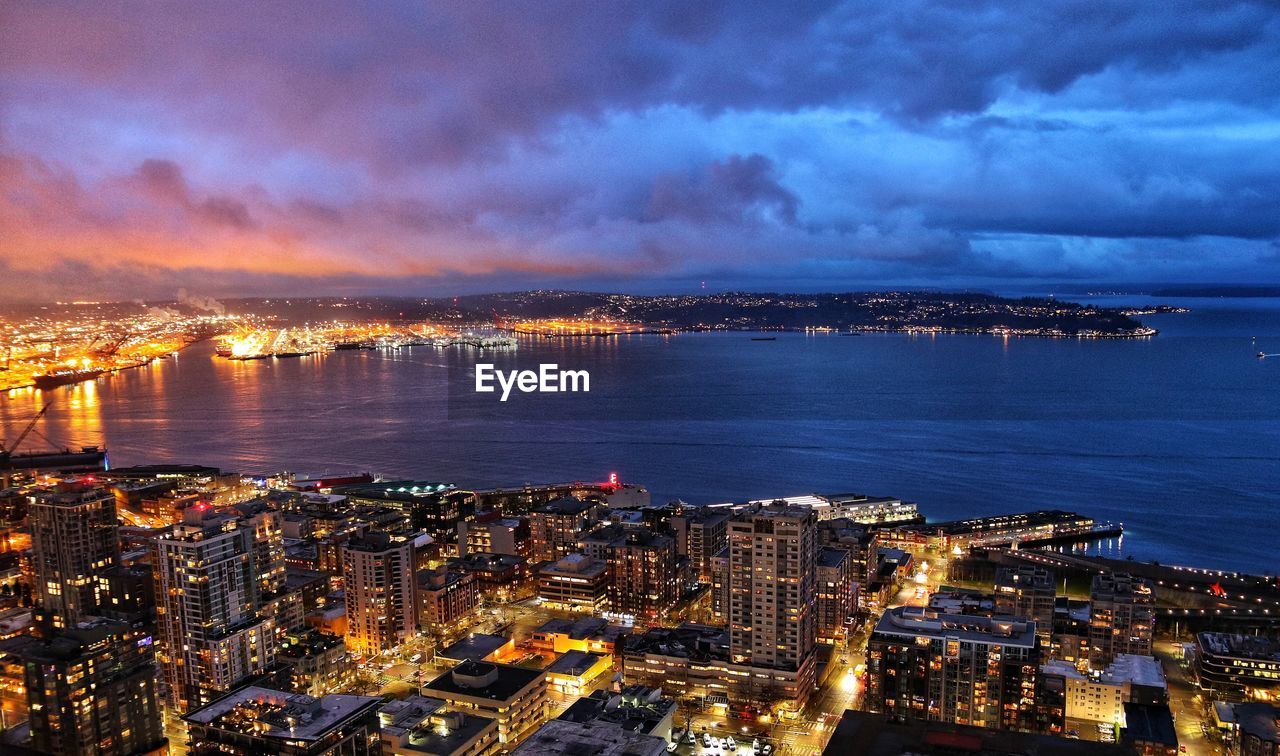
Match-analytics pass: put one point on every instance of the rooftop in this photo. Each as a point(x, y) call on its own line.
point(395, 489)
point(483, 560)
point(1126, 668)
point(1261, 720)
point(1139, 670)
point(873, 735)
point(271, 713)
point(961, 602)
point(396, 717)
point(775, 510)
point(1121, 584)
point(581, 628)
point(564, 738)
point(424, 724)
point(636, 709)
point(688, 641)
point(574, 663)
point(475, 647)
point(565, 505)
point(478, 679)
point(72, 495)
point(913, 622)
point(309, 643)
point(831, 557)
point(1025, 576)
point(1149, 724)
point(1240, 646)
point(575, 564)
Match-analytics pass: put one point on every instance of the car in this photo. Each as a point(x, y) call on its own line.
point(671, 747)
point(733, 744)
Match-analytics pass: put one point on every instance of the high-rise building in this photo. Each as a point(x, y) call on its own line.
point(92, 690)
point(575, 582)
point(700, 534)
point(212, 634)
point(1030, 592)
point(772, 592)
point(378, 581)
point(837, 600)
point(73, 546)
point(491, 534)
point(643, 580)
point(1121, 617)
point(720, 586)
point(559, 525)
point(960, 669)
point(1091, 703)
point(267, 524)
point(445, 596)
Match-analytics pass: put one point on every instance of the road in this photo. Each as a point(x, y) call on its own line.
point(1187, 704)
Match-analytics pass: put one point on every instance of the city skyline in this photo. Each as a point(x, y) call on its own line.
point(570, 378)
point(400, 149)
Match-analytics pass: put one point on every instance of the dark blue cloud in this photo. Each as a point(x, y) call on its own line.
point(848, 142)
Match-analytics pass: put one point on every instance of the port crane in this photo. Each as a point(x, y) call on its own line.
point(109, 351)
point(7, 452)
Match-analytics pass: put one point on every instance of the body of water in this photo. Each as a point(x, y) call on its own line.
point(1176, 436)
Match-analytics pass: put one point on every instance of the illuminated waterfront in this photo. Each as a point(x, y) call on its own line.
point(1173, 437)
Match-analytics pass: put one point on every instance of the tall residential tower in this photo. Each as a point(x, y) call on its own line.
point(772, 588)
point(212, 633)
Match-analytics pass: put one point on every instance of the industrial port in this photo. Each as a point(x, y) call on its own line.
point(255, 343)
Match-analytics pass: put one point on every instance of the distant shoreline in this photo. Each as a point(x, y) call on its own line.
point(1224, 292)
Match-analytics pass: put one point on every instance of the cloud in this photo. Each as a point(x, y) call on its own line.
point(301, 145)
point(737, 189)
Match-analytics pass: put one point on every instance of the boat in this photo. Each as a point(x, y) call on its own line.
point(1262, 355)
point(58, 378)
point(258, 356)
point(291, 354)
point(764, 338)
point(352, 345)
point(222, 350)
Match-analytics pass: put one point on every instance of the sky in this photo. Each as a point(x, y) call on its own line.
point(251, 149)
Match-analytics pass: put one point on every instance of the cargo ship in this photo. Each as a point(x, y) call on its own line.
point(56, 378)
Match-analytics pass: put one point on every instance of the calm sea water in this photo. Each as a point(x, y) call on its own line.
point(1177, 436)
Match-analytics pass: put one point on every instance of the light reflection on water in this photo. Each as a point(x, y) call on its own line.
point(718, 417)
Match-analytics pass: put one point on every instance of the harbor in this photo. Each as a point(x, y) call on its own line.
point(285, 343)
